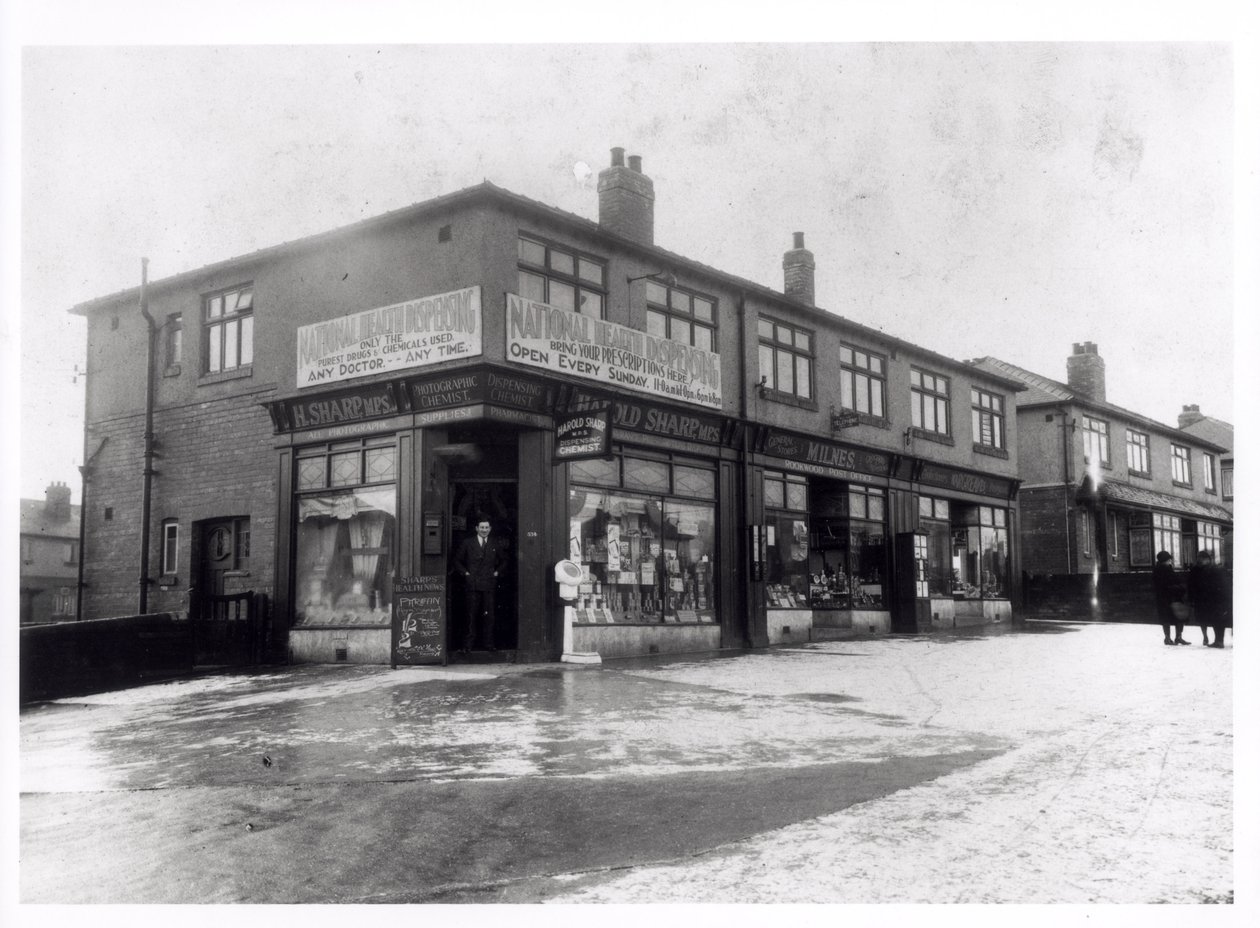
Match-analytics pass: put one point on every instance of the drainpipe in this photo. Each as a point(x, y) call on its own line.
point(146, 499)
point(1069, 426)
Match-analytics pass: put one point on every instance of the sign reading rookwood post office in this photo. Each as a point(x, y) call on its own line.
point(565, 342)
point(407, 335)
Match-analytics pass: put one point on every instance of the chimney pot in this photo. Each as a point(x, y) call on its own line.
point(627, 199)
point(798, 239)
point(636, 164)
point(1087, 372)
point(618, 157)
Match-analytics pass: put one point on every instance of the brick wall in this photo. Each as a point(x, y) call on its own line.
point(215, 460)
point(1041, 530)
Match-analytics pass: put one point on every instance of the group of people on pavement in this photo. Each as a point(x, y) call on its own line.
point(1206, 597)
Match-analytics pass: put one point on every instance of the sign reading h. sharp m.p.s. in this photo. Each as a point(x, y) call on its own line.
point(565, 342)
point(407, 335)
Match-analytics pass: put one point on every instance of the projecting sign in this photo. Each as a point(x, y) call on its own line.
point(584, 435)
point(407, 335)
point(565, 342)
point(418, 629)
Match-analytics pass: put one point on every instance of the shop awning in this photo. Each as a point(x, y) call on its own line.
point(1148, 499)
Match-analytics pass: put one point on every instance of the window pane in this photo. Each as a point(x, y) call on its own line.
point(680, 331)
point(859, 359)
point(680, 302)
point(592, 304)
point(916, 411)
point(562, 262)
point(230, 303)
point(765, 328)
point(216, 307)
point(774, 493)
point(804, 387)
point(875, 507)
point(925, 507)
point(656, 293)
point(846, 389)
point(345, 469)
point(603, 473)
point(589, 270)
point(803, 341)
point(246, 301)
point(311, 473)
point(531, 287)
point(344, 566)
point(692, 481)
point(783, 372)
point(703, 309)
point(656, 323)
point(862, 393)
point(857, 504)
point(797, 495)
point(916, 379)
point(230, 345)
point(941, 508)
point(877, 398)
point(380, 464)
point(702, 337)
point(783, 334)
point(561, 295)
point(942, 416)
point(765, 362)
point(531, 252)
point(846, 355)
point(247, 340)
point(215, 361)
point(877, 365)
point(646, 475)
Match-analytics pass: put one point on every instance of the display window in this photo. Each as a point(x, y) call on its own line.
point(345, 536)
point(934, 522)
point(848, 553)
point(980, 561)
point(786, 499)
point(645, 550)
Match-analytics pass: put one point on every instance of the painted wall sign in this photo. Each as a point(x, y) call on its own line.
point(584, 435)
point(418, 631)
point(825, 454)
point(565, 342)
point(963, 481)
point(407, 335)
point(479, 386)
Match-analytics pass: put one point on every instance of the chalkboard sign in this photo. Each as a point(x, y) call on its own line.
point(419, 625)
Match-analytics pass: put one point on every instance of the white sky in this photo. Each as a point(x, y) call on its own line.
point(1000, 198)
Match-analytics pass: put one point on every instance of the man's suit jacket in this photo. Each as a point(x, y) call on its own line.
point(478, 564)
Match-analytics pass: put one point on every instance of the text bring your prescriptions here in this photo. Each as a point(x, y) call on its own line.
point(566, 342)
point(407, 335)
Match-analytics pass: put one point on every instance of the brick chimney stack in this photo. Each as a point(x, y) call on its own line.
point(1086, 372)
point(627, 200)
point(798, 270)
point(1189, 416)
point(57, 502)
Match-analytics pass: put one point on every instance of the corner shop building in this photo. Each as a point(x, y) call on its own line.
point(727, 465)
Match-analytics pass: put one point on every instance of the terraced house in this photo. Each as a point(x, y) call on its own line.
point(715, 463)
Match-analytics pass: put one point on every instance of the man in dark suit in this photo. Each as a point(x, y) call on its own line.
point(478, 562)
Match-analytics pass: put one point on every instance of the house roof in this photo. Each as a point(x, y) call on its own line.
point(35, 519)
point(1217, 431)
point(1043, 391)
point(488, 192)
point(1139, 496)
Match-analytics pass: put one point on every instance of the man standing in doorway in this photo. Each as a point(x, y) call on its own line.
point(478, 562)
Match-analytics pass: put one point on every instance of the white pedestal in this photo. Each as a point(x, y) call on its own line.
point(569, 656)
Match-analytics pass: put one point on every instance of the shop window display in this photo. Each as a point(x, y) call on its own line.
point(345, 543)
point(848, 554)
point(934, 521)
point(787, 540)
point(980, 552)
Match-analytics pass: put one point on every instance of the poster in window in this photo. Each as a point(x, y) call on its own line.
point(418, 629)
point(1140, 548)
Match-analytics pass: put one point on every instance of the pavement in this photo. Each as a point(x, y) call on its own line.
point(1051, 762)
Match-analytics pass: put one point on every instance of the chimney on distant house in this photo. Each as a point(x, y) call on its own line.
point(1189, 416)
point(1086, 372)
point(798, 270)
point(627, 199)
point(57, 502)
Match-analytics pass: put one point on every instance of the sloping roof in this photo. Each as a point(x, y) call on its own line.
point(1042, 391)
point(1138, 496)
point(1217, 431)
point(489, 191)
point(34, 519)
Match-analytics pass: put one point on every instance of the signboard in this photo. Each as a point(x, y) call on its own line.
point(812, 451)
point(340, 409)
point(584, 435)
point(565, 342)
point(658, 420)
point(418, 630)
point(966, 482)
point(1140, 547)
point(408, 335)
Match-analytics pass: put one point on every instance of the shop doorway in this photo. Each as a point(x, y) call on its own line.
point(485, 485)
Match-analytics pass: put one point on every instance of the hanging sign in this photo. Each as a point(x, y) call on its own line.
point(584, 435)
point(565, 342)
point(417, 333)
point(418, 632)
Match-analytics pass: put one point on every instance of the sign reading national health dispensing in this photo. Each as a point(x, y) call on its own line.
point(417, 333)
point(566, 342)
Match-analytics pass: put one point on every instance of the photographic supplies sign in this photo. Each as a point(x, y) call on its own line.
point(407, 335)
point(584, 435)
point(418, 632)
point(565, 342)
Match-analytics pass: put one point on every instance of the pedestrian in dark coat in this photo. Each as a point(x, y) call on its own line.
point(478, 562)
point(1210, 596)
point(1168, 590)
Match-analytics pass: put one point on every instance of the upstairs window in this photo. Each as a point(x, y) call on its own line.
point(561, 277)
point(987, 419)
point(1096, 442)
point(862, 381)
point(1181, 465)
point(174, 341)
point(681, 316)
point(1137, 450)
point(1227, 481)
point(1209, 473)
point(785, 357)
point(229, 329)
point(929, 402)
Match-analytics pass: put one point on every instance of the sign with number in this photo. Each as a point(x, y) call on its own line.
point(418, 633)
